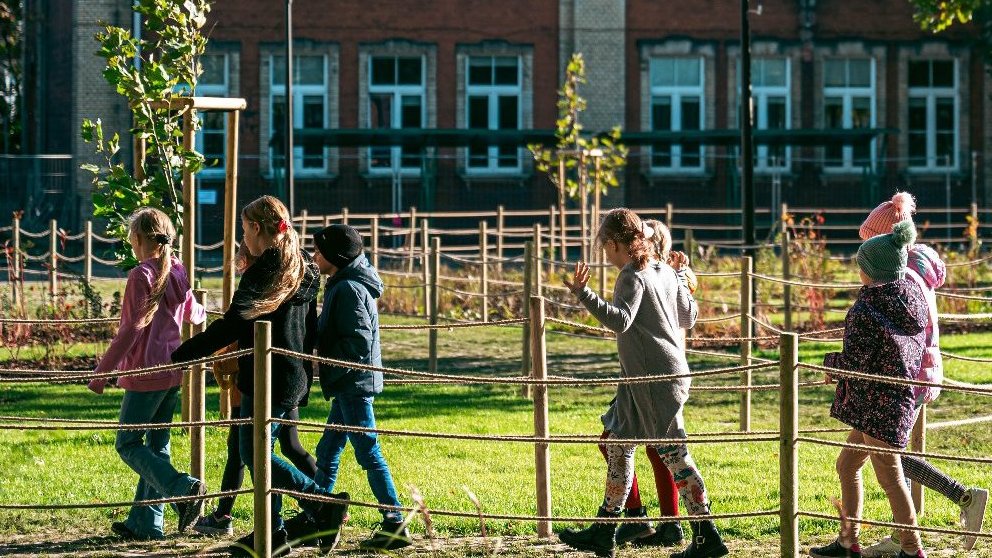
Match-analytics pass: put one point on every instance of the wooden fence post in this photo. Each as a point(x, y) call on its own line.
point(261, 415)
point(542, 453)
point(435, 302)
point(425, 265)
point(918, 443)
point(413, 238)
point(973, 242)
point(53, 259)
point(88, 253)
point(788, 450)
point(786, 275)
point(344, 216)
point(198, 407)
point(669, 216)
point(552, 235)
point(500, 231)
point(231, 224)
point(525, 361)
point(689, 245)
point(538, 264)
point(746, 330)
point(17, 284)
point(484, 257)
point(374, 241)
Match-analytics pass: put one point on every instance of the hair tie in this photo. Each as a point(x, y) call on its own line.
point(647, 230)
point(162, 239)
point(283, 227)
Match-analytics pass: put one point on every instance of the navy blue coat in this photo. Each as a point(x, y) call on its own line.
point(348, 329)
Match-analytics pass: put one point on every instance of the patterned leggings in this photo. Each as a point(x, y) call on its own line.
point(620, 476)
point(933, 478)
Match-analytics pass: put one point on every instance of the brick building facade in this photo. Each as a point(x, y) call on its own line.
point(652, 65)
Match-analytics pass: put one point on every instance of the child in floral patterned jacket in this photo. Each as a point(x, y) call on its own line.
point(884, 335)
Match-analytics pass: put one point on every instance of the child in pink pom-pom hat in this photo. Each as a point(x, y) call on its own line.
point(928, 271)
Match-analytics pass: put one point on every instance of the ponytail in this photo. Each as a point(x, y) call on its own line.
point(623, 226)
point(273, 219)
point(154, 227)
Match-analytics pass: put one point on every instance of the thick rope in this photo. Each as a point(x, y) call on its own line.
point(213, 246)
point(71, 260)
point(948, 386)
point(889, 524)
point(963, 297)
point(873, 449)
point(838, 286)
point(972, 262)
point(457, 379)
point(499, 517)
point(460, 325)
point(461, 293)
point(105, 239)
point(522, 438)
point(946, 354)
point(80, 321)
point(175, 500)
point(6, 423)
point(105, 262)
point(69, 377)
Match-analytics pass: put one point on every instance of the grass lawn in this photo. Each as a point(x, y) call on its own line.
point(51, 467)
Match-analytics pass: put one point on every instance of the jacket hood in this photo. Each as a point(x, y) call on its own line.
point(926, 263)
point(360, 271)
point(901, 303)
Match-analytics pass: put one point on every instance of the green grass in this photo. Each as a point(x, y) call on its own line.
point(60, 467)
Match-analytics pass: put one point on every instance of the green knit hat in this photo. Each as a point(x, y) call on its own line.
point(883, 258)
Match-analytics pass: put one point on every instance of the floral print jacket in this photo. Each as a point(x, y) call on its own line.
point(884, 335)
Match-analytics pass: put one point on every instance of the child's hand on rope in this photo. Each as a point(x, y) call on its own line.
point(580, 278)
point(97, 385)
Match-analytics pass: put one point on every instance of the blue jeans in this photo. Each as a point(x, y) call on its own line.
point(284, 474)
point(147, 453)
point(356, 411)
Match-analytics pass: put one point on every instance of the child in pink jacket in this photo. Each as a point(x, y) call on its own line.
point(157, 300)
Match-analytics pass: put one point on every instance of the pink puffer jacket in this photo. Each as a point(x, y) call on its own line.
point(929, 272)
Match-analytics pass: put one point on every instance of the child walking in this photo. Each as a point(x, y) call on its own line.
point(927, 270)
point(884, 334)
point(225, 372)
point(349, 330)
point(157, 301)
point(651, 305)
point(667, 533)
point(281, 287)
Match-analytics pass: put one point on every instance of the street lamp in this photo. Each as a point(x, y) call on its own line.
point(288, 160)
point(747, 137)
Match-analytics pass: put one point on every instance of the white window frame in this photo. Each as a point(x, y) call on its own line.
point(931, 94)
point(299, 92)
point(398, 92)
point(215, 90)
point(759, 97)
point(493, 93)
point(676, 93)
point(847, 95)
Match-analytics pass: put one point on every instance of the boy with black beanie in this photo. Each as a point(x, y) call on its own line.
point(348, 329)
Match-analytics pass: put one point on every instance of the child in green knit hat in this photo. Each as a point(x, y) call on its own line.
point(883, 336)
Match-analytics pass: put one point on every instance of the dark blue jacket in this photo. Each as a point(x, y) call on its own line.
point(348, 329)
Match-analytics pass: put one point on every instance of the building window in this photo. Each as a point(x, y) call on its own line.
point(396, 100)
point(493, 102)
point(772, 109)
point(212, 136)
point(309, 111)
point(849, 103)
point(933, 114)
point(677, 106)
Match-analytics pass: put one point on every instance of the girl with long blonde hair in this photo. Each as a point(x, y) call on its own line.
point(279, 287)
point(157, 300)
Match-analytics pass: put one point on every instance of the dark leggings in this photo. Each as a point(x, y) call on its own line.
point(916, 469)
point(234, 470)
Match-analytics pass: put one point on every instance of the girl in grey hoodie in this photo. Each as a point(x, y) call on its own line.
point(651, 305)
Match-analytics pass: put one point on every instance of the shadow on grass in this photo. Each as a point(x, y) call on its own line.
point(109, 546)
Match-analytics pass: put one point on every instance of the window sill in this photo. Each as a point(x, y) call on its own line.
point(301, 176)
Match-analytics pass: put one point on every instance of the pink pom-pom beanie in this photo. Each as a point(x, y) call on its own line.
point(888, 213)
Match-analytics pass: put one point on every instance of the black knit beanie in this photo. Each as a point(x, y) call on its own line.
point(339, 244)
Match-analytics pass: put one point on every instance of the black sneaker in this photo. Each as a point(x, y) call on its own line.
point(667, 533)
point(302, 530)
point(121, 529)
point(390, 536)
point(835, 550)
point(190, 511)
point(245, 546)
point(330, 516)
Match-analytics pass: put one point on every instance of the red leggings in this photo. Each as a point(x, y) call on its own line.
point(668, 494)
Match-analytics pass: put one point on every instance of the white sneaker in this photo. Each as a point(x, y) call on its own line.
point(882, 549)
point(973, 514)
